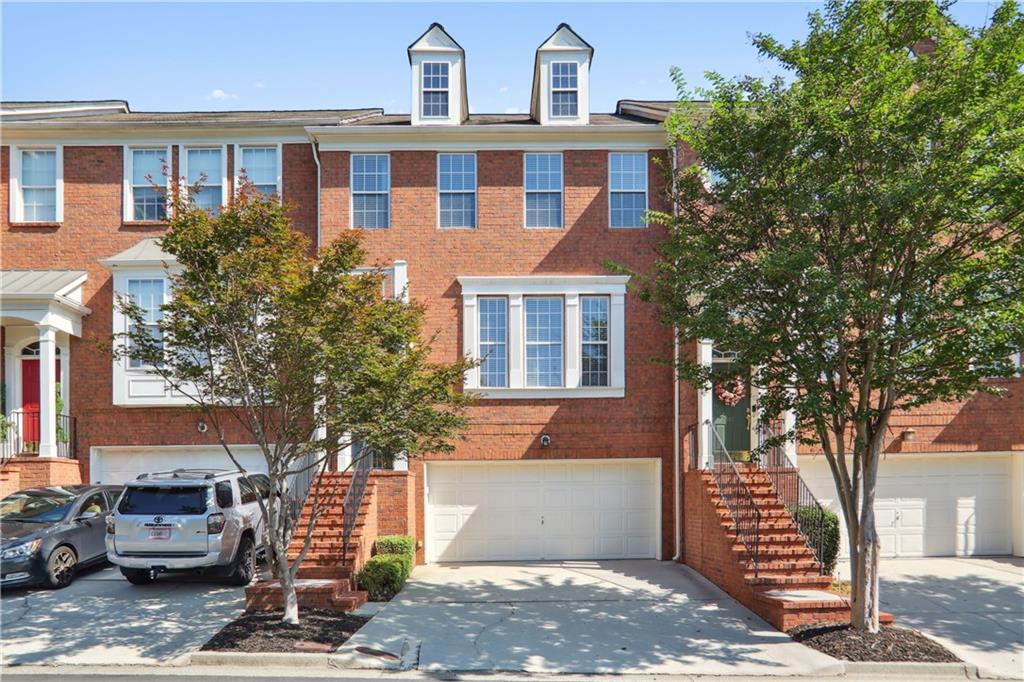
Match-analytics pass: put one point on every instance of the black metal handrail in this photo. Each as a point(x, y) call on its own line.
point(22, 435)
point(736, 496)
point(360, 474)
point(808, 513)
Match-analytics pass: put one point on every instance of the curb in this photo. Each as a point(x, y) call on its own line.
point(230, 658)
point(928, 670)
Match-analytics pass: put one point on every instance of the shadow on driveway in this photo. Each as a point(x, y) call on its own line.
point(102, 618)
point(575, 617)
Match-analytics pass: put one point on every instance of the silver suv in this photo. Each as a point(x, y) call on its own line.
point(195, 520)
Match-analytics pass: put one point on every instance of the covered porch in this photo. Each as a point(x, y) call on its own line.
point(40, 310)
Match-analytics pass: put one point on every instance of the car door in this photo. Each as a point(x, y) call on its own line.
point(90, 526)
point(250, 506)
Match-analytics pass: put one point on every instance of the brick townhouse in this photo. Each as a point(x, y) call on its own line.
point(500, 225)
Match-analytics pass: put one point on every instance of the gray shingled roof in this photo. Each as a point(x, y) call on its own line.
point(212, 118)
point(505, 119)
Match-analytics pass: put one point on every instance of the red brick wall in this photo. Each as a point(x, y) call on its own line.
point(32, 472)
point(396, 502)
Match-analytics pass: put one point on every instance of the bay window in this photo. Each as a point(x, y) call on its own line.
point(147, 294)
point(493, 325)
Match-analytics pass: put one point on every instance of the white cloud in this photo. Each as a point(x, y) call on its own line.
point(221, 95)
point(503, 89)
point(258, 84)
point(515, 110)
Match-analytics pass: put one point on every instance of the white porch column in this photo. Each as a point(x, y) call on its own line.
point(47, 391)
point(704, 405)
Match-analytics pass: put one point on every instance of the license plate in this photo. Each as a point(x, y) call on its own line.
point(159, 533)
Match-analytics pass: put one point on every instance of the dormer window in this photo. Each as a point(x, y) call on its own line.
point(435, 90)
point(564, 90)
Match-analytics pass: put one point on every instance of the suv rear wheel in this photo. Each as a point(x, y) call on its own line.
point(244, 568)
point(137, 576)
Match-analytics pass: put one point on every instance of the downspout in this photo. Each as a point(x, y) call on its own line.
point(676, 441)
point(316, 158)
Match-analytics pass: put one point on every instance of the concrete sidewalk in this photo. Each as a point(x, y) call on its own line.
point(620, 617)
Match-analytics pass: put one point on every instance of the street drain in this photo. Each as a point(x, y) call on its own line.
point(387, 655)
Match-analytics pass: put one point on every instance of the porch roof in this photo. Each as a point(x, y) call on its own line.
point(145, 253)
point(44, 297)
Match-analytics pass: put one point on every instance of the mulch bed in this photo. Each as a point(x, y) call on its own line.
point(318, 631)
point(888, 645)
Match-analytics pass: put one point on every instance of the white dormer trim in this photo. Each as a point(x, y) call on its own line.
point(437, 46)
point(562, 46)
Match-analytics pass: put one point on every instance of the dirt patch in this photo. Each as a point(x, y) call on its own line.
point(318, 631)
point(888, 645)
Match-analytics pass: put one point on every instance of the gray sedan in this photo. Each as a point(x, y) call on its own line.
point(48, 533)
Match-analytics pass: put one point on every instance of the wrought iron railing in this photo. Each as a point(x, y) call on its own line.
point(362, 464)
point(808, 513)
point(736, 496)
point(22, 435)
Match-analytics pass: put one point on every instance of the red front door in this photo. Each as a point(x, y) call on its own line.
point(30, 398)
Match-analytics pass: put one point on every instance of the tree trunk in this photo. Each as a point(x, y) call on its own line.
point(864, 564)
point(288, 597)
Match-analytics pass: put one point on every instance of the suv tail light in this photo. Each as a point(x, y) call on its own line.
point(214, 524)
point(110, 524)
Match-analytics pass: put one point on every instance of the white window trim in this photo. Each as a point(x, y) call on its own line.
point(647, 188)
point(139, 386)
point(552, 90)
point(424, 90)
point(607, 343)
point(476, 189)
point(570, 287)
point(128, 213)
point(506, 343)
point(352, 191)
point(237, 162)
point(183, 151)
point(16, 201)
point(527, 192)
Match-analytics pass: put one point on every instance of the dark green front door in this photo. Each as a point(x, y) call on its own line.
point(731, 423)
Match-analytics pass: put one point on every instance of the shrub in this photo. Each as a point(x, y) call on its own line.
point(810, 516)
point(395, 544)
point(383, 575)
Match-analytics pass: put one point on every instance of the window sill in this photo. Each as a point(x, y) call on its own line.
point(559, 393)
point(41, 224)
point(144, 223)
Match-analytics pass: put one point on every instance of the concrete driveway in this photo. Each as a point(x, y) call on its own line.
point(973, 606)
point(575, 617)
point(102, 618)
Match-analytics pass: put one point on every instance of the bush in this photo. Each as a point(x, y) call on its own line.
point(809, 517)
point(395, 544)
point(383, 575)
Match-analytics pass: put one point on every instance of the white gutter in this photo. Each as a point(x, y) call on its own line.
point(676, 436)
point(316, 158)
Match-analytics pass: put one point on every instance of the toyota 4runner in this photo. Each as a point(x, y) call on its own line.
point(188, 520)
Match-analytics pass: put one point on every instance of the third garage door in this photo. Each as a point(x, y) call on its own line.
point(552, 509)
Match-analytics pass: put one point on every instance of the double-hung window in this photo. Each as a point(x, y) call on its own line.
point(544, 340)
point(493, 334)
point(627, 183)
point(564, 90)
point(435, 89)
point(40, 174)
point(543, 186)
point(148, 200)
point(259, 165)
point(148, 295)
point(371, 184)
point(206, 167)
point(594, 338)
point(456, 185)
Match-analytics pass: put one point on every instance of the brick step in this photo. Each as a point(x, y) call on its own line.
point(335, 594)
point(791, 582)
point(323, 558)
point(780, 551)
point(785, 526)
point(335, 571)
point(767, 512)
point(765, 565)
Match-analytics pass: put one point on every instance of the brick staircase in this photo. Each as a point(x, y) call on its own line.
point(787, 588)
point(325, 578)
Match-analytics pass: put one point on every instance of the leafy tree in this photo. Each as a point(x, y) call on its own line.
point(853, 232)
point(296, 349)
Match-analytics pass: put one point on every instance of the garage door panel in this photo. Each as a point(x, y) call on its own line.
point(932, 506)
point(543, 510)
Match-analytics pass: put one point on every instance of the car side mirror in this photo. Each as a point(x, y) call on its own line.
point(83, 516)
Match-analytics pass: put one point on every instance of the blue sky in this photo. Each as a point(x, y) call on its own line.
point(216, 56)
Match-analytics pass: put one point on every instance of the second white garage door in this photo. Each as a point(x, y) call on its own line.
point(944, 505)
point(554, 509)
point(118, 465)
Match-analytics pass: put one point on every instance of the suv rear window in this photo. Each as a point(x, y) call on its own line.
point(175, 499)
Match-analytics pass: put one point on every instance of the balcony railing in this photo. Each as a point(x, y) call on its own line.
point(21, 437)
point(737, 497)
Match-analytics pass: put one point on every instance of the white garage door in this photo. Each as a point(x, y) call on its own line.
point(951, 505)
point(555, 509)
point(118, 465)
